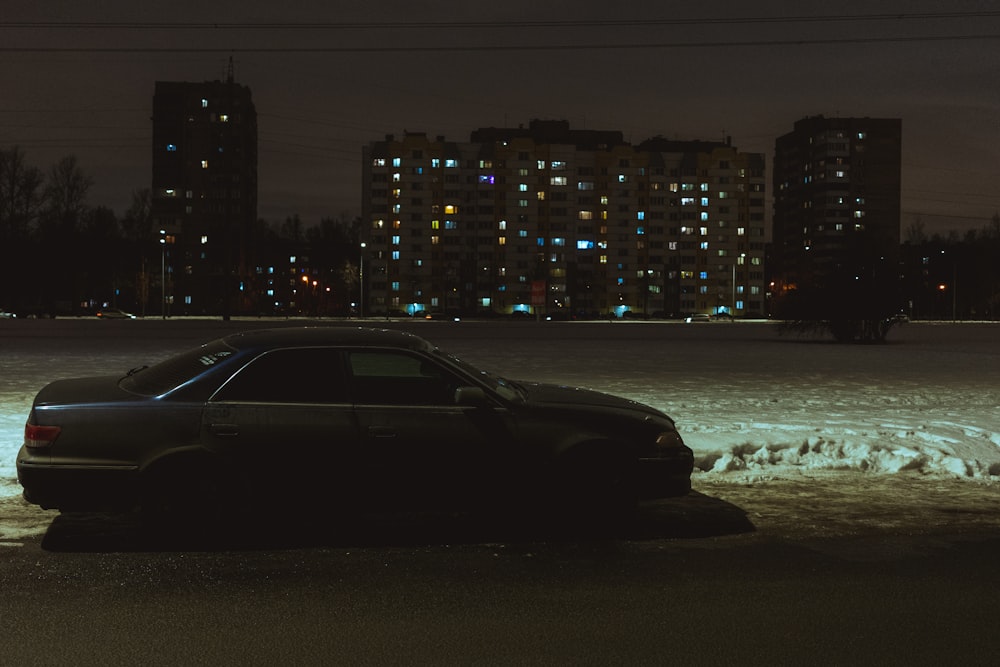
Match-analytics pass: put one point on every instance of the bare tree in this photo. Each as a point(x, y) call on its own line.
point(20, 187)
point(65, 198)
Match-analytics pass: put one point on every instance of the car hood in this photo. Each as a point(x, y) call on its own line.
point(81, 391)
point(551, 395)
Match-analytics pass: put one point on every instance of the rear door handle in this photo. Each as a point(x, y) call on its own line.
point(225, 430)
point(381, 432)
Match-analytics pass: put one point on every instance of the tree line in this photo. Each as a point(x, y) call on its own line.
point(60, 255)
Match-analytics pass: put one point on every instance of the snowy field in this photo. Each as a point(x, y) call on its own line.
point(753, 404)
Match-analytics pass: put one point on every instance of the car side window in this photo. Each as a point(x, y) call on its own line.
point(395, 378)
point(309, 375)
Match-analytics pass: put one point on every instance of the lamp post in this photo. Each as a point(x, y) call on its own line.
point(361, 282)
point(163, 273)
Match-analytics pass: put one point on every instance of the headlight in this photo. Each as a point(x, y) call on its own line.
point(669, 440)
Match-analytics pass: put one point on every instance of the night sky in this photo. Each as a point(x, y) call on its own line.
point(328, 77)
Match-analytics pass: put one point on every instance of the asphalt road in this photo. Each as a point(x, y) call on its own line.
point(885, 570)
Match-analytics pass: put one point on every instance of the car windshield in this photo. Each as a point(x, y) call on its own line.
point(507, 389)
point(175, 371)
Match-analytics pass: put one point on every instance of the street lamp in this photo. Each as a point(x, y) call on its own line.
point(361, 282)
point(163, 273)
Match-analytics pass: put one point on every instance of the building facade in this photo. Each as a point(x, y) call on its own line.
point(204, 194)
point(836, 222)
point(554, 221)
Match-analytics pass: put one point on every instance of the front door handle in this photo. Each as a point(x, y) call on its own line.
point(381, 432)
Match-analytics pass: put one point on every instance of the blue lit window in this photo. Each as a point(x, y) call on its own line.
point(540, 241)
point(640, 230)
point(584, 245)
point(171, 148)
point(703, 275)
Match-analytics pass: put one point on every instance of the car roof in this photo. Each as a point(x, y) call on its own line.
point(266, 339)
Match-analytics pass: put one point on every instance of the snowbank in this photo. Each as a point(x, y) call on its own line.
point(751, 404)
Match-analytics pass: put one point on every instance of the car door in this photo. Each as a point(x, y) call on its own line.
point(421, 446)
point(285, 421)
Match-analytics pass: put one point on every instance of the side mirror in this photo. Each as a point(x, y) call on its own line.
point(473, 396)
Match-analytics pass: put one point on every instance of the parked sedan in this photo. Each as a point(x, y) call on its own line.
point(342, 418)
point(114, 314)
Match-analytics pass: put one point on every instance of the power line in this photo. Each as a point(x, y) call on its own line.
point(520, 24)
point(494, 48)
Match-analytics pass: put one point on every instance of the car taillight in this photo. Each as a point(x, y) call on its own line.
point(40, 436)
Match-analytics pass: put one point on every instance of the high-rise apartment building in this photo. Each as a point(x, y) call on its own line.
point(556, 221)
point(836, 222)
point(204, 191)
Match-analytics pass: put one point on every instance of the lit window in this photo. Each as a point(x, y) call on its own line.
point(395, 254)
point(171, 148)
point(396, 162)
point(640, 215)
point(557, 180)
point(584, 245)
point(586, 215)
point(204, 164)
point(522, 187)
point(450, 209)
point(204, 240)
point(378, 162)
point(450, 163)
point(204, 103)
point(223, 118)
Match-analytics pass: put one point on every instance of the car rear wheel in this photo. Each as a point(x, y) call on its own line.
point(189, 498)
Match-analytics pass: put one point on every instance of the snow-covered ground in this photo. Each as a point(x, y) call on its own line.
point(751, 403)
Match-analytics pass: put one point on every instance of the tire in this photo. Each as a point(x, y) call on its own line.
point(597, 480)
point(191, 497)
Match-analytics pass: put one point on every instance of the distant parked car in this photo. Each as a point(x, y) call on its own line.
point(338, 417)
point(698, 317)
point(114, 314)
point(5, 315)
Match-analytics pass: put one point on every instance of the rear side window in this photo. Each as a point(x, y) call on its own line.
point(175, 371)
point(308, 375)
